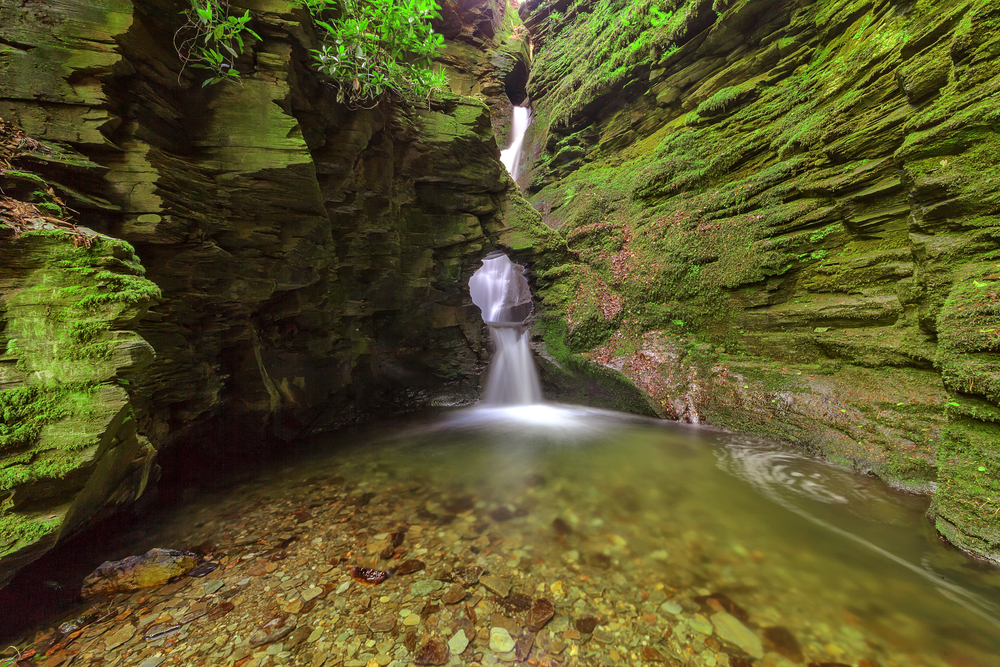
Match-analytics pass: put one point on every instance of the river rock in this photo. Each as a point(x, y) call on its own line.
point(495, 584)
point(434, 652)
point(730, 630)
point(501, 641)
point(458, 643)
point(154, 568)
point(119, 637)
point(272, 629)
point(425, 587)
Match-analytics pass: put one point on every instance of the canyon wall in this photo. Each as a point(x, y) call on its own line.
point(783, 219)
point(305, 263)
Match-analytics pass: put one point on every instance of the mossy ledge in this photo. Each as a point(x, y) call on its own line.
point(68, 442)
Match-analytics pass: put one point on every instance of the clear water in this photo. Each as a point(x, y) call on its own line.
point(672, 512)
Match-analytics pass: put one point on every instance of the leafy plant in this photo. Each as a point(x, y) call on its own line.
point(212, 39)
point(378, 47)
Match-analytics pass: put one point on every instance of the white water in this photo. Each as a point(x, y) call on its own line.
point(511, 157)
point(501, 292)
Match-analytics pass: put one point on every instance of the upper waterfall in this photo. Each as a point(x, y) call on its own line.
point(511, 157)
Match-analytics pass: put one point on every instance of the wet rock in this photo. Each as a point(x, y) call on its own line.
point(550, 643)
point(650, 654)
point(502, 513)
point(434, 652)
point(297, 636)
point(586, 624)
point(214, 586)
point(397, 537)
point(368, 576)
point(561, 527)
point(497, 585)
point(119, 637)
point(204, 568)
point(467, 576)
point(410, 566)
point(781, 640)
point(721, 602)
point(410, 641)
point(311, 593)
point(508, 624)
point(515, 603)
point(600, 560)
point(501, 641)
point(154, 568)
point(454, 594)
point(458, 643)
point(273, 629)
point(671, 608)
point(730, 630)
point(220, 610)
point(699, 623)
point(161, 631)
point(540, 613)
point(425, 587)
point(522, 649)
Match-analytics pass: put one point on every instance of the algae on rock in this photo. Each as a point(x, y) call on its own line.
point(68, 441)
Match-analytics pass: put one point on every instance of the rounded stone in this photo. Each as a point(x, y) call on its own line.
point(501, 641)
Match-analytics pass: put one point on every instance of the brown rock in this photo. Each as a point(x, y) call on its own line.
point(410, 566)
point(272, 629)
point(454, 594)
point(154, 568)
point(383, 623)
point(561, 527)
point(586, 625)
point(721, 602)
point(540, 613)
point(495, 584)
point(781, 640)
point(434, 652)
point(467, 576)
point(220, 610)
point(650, 654)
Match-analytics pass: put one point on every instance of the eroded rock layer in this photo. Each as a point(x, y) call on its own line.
point(785, 219)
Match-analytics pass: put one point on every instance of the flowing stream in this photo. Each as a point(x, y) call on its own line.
point(685, 541)
point(511, 157)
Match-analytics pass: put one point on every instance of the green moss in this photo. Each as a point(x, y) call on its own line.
point(16, 530)
point(728, 98)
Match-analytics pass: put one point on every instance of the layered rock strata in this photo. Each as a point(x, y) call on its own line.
point(785, 220)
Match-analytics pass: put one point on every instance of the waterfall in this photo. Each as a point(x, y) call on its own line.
point(511, 157)
point(501, 292)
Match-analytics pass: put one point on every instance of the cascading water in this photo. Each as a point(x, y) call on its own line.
point(519, 123)
point(501, 292)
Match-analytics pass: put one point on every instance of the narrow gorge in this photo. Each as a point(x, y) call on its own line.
point(776, 222)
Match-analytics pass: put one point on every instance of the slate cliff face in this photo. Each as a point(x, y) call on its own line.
point(311, 258)
point(785, 219)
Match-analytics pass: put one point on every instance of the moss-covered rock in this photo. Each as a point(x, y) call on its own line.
point(68, 441)
point(784, 218)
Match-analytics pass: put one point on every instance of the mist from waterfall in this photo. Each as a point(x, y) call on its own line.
point(519, 123)
point(501, 292)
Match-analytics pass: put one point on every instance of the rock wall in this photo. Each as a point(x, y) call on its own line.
point(784, 219)
point(311, 259)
